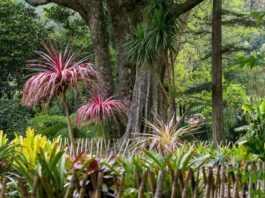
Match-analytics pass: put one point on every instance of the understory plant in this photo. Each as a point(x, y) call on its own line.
point(254, 139)
point(39, 167)
point(98, 109)
point(164, 136)
point(55, 72)
point(29, 147)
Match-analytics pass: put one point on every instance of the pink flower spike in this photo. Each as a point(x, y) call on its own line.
point(55, 71)
point(98, 109)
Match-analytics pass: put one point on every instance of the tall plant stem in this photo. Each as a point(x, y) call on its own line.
point(173, 81)
point(70, 129)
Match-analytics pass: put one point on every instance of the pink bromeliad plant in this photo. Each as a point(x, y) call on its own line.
point(98, 109)
point(55, 72)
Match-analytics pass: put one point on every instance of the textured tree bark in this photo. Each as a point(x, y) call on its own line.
point(138, 102)
point(96, 22)
point(148, 101)
point(217, 89)
point(122, 27)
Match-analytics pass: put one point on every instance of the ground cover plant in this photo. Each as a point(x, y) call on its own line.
point(43, 168)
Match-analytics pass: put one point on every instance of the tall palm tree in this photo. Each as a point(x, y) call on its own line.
point(55, 72)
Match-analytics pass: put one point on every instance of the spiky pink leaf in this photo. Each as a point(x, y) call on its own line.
point(99, 108)
point(55, 71)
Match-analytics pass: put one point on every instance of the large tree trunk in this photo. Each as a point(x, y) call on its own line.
point(95, 19)
point(138, 104)
point(217, 92)
point(149, 99)
point(125, 69)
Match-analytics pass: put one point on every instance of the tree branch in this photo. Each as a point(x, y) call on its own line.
point(76, 5)
point(182, 8)
point(230, 48)
point(37, 2)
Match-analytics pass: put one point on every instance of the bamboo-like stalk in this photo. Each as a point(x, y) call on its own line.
point(197, 181)
point(209, 183)
point(175, 192)
point(142, 185)
point(204, 176)
point(70, 129)
point(138, 179)
point(186, 185)
point(222, 187)
point(152, 182)
point(236, 193)
point(122, 185)
point(260, 171)
point(228, 186)
point(3, 190)
point(35, 186)
point(250, 180)
point(94, 179)
point(99, 185)
point(159, 186)
point(218, 181)
point(83, 186)
point(78, 150)
point(192, 179)
point(23, 188)
point(71, 188)
point(263, 173)
point(86, 145)
point(181, 180)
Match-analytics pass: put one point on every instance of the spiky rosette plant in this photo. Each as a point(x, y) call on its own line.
point(55, 72)
point(98, 109)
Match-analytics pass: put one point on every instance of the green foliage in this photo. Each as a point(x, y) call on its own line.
point(49, 125)
point(155, 35)
point(242, 49)
point(253, 60)
point(20, 33)
point(3, 138)
point(6, 154)
point(136, 48)
point(51, 174)
point(13, 116)
point(254, 140)
point(55, 125)
point(44, 169)
point(30, 146)
point(67, 25)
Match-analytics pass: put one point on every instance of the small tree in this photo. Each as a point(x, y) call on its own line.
point(56, 71)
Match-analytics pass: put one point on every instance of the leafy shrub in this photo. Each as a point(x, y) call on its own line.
point(254, 139)
point(56, 125)
point(13, 116)
point(29, 147)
